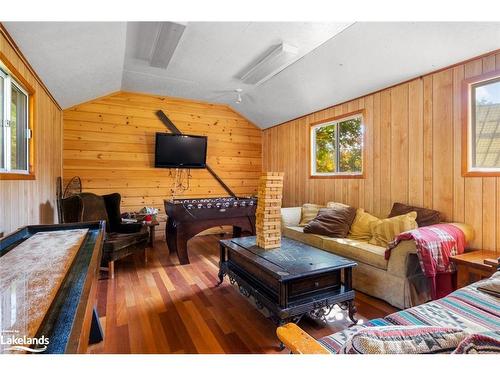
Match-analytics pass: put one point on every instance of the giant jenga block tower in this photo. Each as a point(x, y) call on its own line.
point(268, 215)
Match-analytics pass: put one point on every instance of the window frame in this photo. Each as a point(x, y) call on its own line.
point(312, 146)
point(11, 75)
point(468, 115)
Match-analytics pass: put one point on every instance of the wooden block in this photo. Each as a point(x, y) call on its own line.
point(266, 230)
point(272, 194)
point(271, 232)
point(270, 201)
point(264, 211)
point(276, 225)
point(269, 247)
point(267, 239)
point(270, 184)
point(272, 175)
point(268, 210)
point(268, 216)
point(274, 189)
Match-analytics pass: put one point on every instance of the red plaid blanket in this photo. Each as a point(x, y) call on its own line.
point(435, 244)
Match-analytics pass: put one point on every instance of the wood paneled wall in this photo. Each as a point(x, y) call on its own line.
point(413, 154)
point(24, 202)
point(109, 143)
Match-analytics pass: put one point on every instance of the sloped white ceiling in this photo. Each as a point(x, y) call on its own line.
point(336, 61)
point(77, 61)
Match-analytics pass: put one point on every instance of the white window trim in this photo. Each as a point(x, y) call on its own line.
point(313, 147)
point(6, 129)
point(470, 126)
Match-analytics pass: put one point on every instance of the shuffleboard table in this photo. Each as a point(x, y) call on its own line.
point(48, 282)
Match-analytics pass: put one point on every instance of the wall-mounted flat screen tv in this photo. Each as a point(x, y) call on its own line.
point(180, 151)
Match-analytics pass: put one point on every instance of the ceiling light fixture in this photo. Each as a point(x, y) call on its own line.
point(168, 37)
point(273, 63)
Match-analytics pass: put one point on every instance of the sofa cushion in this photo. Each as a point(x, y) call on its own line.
point(309, 212)
point(297, 233)
point(360, 251)
point(332, 222)
point(360, 228)
point(425, 216)
point(384, 231)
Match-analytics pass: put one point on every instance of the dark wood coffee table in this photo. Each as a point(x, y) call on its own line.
point(291, 281)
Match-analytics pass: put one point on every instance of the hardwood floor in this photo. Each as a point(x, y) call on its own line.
point(163, 307)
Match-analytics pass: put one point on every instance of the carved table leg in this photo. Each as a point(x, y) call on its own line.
point(352, 310)
point(221, 277)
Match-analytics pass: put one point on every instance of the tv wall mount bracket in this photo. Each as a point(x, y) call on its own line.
point(175, 130)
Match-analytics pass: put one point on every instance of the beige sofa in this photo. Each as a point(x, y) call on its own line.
point(399, 280)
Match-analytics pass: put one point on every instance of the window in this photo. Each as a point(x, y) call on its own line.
point(482, 132)
point(337, 147)
point(14, 130)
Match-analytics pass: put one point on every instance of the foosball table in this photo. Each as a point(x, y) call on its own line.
point(188, 217)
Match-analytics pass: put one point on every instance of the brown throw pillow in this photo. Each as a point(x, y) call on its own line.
point(425, 216)
point(332, 222)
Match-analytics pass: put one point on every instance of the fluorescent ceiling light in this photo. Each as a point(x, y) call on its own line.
point(273, 63)
point(168, 37)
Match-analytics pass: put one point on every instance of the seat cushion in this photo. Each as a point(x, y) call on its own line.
point(360, 251)
point(297, 233)
point(118, 241)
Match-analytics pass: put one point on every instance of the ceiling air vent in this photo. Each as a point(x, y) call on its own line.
point(168, 37)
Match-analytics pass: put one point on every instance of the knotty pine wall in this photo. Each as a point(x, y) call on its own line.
point(413, 154)
point(109, 143)
point(24, 202)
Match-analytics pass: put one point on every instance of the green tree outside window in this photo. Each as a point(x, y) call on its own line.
point(339, 147)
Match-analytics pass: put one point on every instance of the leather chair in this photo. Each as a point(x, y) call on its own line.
point(121, 239)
